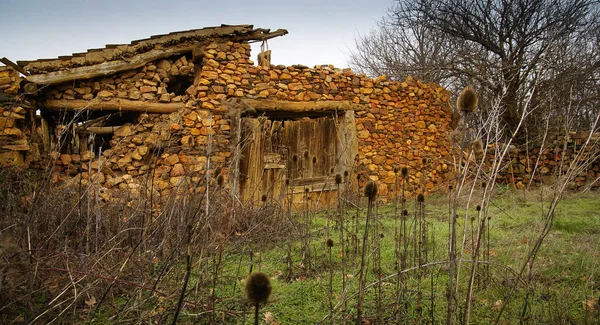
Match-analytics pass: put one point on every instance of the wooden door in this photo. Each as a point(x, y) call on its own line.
point(285, 159)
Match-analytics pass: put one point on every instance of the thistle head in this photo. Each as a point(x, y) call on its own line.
point(467, 100)
point(329, 242)
point(404, 172)
point(258, 288)
point(371, 190)
point(477, 146)
point(338, 179)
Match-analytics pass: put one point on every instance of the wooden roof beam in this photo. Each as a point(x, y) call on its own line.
point(112, 105)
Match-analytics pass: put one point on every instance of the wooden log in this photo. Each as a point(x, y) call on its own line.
point(99, 129)
point(105, 68)
point(13, 65)
point(266, 105)
point(30, 88)
point(112, 105)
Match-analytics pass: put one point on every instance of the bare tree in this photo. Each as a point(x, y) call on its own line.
point(502, 47)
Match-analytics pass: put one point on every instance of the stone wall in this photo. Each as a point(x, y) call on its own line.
point(397, 124)
point(538, 166)
point(14, 134)
point(400, 123)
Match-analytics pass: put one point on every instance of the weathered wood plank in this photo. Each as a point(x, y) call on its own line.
point(112, 105)
point(261, 105)
point(99, 129)
point(105, 68)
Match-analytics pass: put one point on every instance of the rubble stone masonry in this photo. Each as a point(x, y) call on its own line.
point(398, 123)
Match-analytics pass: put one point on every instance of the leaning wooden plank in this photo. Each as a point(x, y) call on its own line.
point(14, 66)
point(112, 105)
point(106, 68)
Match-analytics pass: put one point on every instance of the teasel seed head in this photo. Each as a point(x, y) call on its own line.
point(395, 169)
point(295, 158)
point(305, 154)
point(346, 174)
point(314, 160)
point(338, 179)
point(467, 100)
point(263, 198)
point(404, 212)
point(478, 208)
point(329, 242)
point(421, 198)
point(371, 190)
point(258, 288)
point(477, 146)
point(423, 161)
point(404, 172)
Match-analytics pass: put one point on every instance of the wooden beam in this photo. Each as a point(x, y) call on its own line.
point(14, 66)
point(99, 129)
point(262, 105)
point(112, 105)
point(106, 68)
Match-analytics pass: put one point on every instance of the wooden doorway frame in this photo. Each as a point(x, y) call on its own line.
point(343, 113)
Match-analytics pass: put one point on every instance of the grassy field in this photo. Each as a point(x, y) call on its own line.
point(565, 276)
point(135, 277)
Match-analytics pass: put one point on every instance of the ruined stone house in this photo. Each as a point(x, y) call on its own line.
point(180, 108)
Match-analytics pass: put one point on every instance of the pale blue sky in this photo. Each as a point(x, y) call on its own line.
point(320, 32)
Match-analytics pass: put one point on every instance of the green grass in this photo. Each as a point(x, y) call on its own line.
point(565, 273)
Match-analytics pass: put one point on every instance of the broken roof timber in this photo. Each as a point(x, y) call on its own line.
point(105, 68)
point(115, 58)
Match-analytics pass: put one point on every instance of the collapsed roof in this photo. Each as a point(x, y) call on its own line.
point(120, 57)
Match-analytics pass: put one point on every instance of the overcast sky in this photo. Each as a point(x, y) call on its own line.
point(320, 32)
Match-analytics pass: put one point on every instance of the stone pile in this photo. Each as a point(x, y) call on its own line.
point(543, 166)
point(14, 136)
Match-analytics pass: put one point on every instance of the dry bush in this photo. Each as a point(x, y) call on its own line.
point(130, 265)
